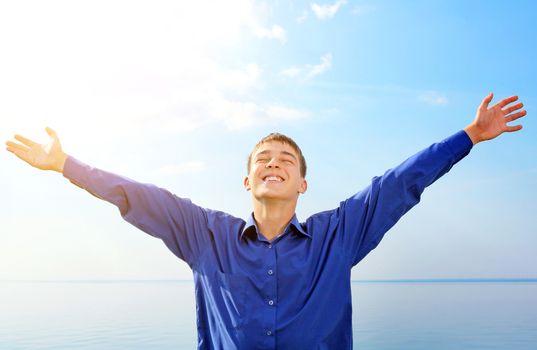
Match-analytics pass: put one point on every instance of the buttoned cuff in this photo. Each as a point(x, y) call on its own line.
point(460, 144)
point(74, 170)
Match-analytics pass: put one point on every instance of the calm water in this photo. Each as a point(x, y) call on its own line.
point(161, 315)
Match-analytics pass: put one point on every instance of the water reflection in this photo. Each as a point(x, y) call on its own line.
point(161, 315)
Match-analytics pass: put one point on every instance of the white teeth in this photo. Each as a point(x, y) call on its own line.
point(273, 178)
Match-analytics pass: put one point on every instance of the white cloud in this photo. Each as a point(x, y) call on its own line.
point(128, 77)
point(302, 18)
point(243, 115)
point(291, 72)
point(433, 98)
point(276, 112)
point(260, 12)
point(241, 79)
point(188, 111)
point(186, 167)
point(327, 11)
point(326, 64)
point(275, 32)
point(361, 10)
point(310, 70)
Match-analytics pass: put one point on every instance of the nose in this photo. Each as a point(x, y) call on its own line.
point(273, 163)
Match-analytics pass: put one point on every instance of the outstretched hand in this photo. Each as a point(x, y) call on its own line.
point(42, 156)
point(492, 122)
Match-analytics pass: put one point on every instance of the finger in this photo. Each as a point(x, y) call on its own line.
point(51, 132)
point(22, 155)
point(486, 101)
point(17, 146)
point(513, 128)
point(26, 141)
point(506, 101)
point(513, 108)
point(515, 116)
point(14, 150)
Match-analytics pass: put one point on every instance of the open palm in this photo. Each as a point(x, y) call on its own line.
point(491, 122)
point(42, 156)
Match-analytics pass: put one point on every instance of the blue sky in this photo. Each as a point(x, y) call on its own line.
point(177, 94)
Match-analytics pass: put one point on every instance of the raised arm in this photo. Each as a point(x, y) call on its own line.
point(181, 224)
point(365, 217)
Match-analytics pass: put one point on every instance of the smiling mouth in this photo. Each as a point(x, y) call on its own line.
point(273, 179)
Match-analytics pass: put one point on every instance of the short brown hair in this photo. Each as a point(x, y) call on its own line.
point(275, 136)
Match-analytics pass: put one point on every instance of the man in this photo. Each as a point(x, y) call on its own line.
point(271, 282)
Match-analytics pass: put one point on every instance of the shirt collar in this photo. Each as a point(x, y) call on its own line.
point(251, 225)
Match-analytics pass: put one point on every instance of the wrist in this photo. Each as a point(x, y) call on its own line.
point(473, 133)
point(61, 162)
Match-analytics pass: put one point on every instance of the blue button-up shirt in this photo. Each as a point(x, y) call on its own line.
point(293, 292)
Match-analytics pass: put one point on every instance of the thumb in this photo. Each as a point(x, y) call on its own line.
point(51, 132)
point(486, 101)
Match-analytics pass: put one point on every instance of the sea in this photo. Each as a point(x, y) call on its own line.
point(389, 314)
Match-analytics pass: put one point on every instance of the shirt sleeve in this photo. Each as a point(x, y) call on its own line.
point(365, 217)
point(180, 224)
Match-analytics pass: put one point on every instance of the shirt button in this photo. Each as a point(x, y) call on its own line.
point(271, 302)
point(269, 333)
point(270, 245)
point(270, 272)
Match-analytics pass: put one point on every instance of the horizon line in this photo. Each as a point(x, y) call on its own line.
point(400, 280)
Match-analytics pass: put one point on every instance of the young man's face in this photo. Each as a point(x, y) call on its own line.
point(275, 172)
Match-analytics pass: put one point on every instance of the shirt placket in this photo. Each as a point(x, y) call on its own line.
point(270, 297)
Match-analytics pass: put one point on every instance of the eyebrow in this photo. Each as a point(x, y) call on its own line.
point(282, 152)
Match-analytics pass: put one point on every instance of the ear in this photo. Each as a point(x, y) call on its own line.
point(247, 183)
point(303, 186)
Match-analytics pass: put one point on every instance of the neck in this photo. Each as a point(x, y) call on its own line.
point(273, 216)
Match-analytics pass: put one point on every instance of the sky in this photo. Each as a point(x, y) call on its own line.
point(178, 93)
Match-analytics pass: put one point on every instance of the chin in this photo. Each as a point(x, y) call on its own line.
point(269, 195)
